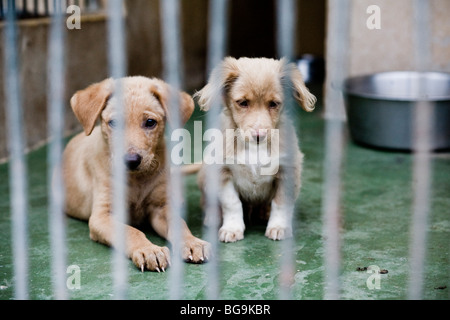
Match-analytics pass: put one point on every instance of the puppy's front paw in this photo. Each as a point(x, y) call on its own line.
point(231, 234)
point(278, 233)
point(196, 250)
point(151, 257)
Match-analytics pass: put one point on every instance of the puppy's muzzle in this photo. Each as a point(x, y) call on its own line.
point(132, 161)
point(259, 135)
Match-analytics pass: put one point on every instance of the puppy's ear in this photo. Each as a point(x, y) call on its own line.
point(88, 104)
point(162, 92)
point(187, 106)
point(301, 93)
point(219, 83)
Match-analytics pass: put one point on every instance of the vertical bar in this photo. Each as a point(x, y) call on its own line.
point(218, 12)
point(89, 5)
point(337, 44)
point(117, 69)
point(55, 116)
point(422, 124)
point(17, 164)
point(172, 66)
point(25, 8)
point(46, 7)
point(286, 10)
point(11, 5)
point(286, 22)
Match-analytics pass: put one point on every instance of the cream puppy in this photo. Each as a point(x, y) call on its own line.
point(253, 95)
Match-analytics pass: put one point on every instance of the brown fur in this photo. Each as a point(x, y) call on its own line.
point(252, 93)
point(87, 168)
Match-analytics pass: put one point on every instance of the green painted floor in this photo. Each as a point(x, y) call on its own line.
point(376, 208)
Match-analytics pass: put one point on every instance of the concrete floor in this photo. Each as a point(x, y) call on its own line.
point(376, 206)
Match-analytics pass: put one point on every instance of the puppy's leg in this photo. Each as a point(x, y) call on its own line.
point(193, 249)
point(233, 225)
point(143, 253)
point(279, 225)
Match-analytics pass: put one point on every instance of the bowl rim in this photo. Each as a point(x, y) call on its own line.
point(349, 91)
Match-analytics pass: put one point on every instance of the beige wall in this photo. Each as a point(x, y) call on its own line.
point(391, 47)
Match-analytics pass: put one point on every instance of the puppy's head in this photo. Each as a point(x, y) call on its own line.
point(145, 111)
point(253, 93)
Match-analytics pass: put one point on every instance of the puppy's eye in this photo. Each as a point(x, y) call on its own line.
point(150, 123)
point(273, 104)
point(242, 103)
point(112, 123)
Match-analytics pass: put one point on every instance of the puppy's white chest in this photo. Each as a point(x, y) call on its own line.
point(248, 177)
point(254, 156)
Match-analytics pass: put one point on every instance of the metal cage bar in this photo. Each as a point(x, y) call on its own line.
point(18, 167)
point(337, 42)
point(56, 193)
point(172, 66)
point(117, 70)
point(217, 36)
point(285, 25)
point(422, 180)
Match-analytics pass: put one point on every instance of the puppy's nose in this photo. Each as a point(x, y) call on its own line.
point(259, 135)
point(132, 161)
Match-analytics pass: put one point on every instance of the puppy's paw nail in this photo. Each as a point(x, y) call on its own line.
point(157, 269)
point(142, 268)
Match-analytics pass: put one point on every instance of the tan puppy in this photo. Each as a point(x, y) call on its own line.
point(87, 168)
point(252, 93)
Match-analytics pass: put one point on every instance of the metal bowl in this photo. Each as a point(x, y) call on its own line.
point(380, 108)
